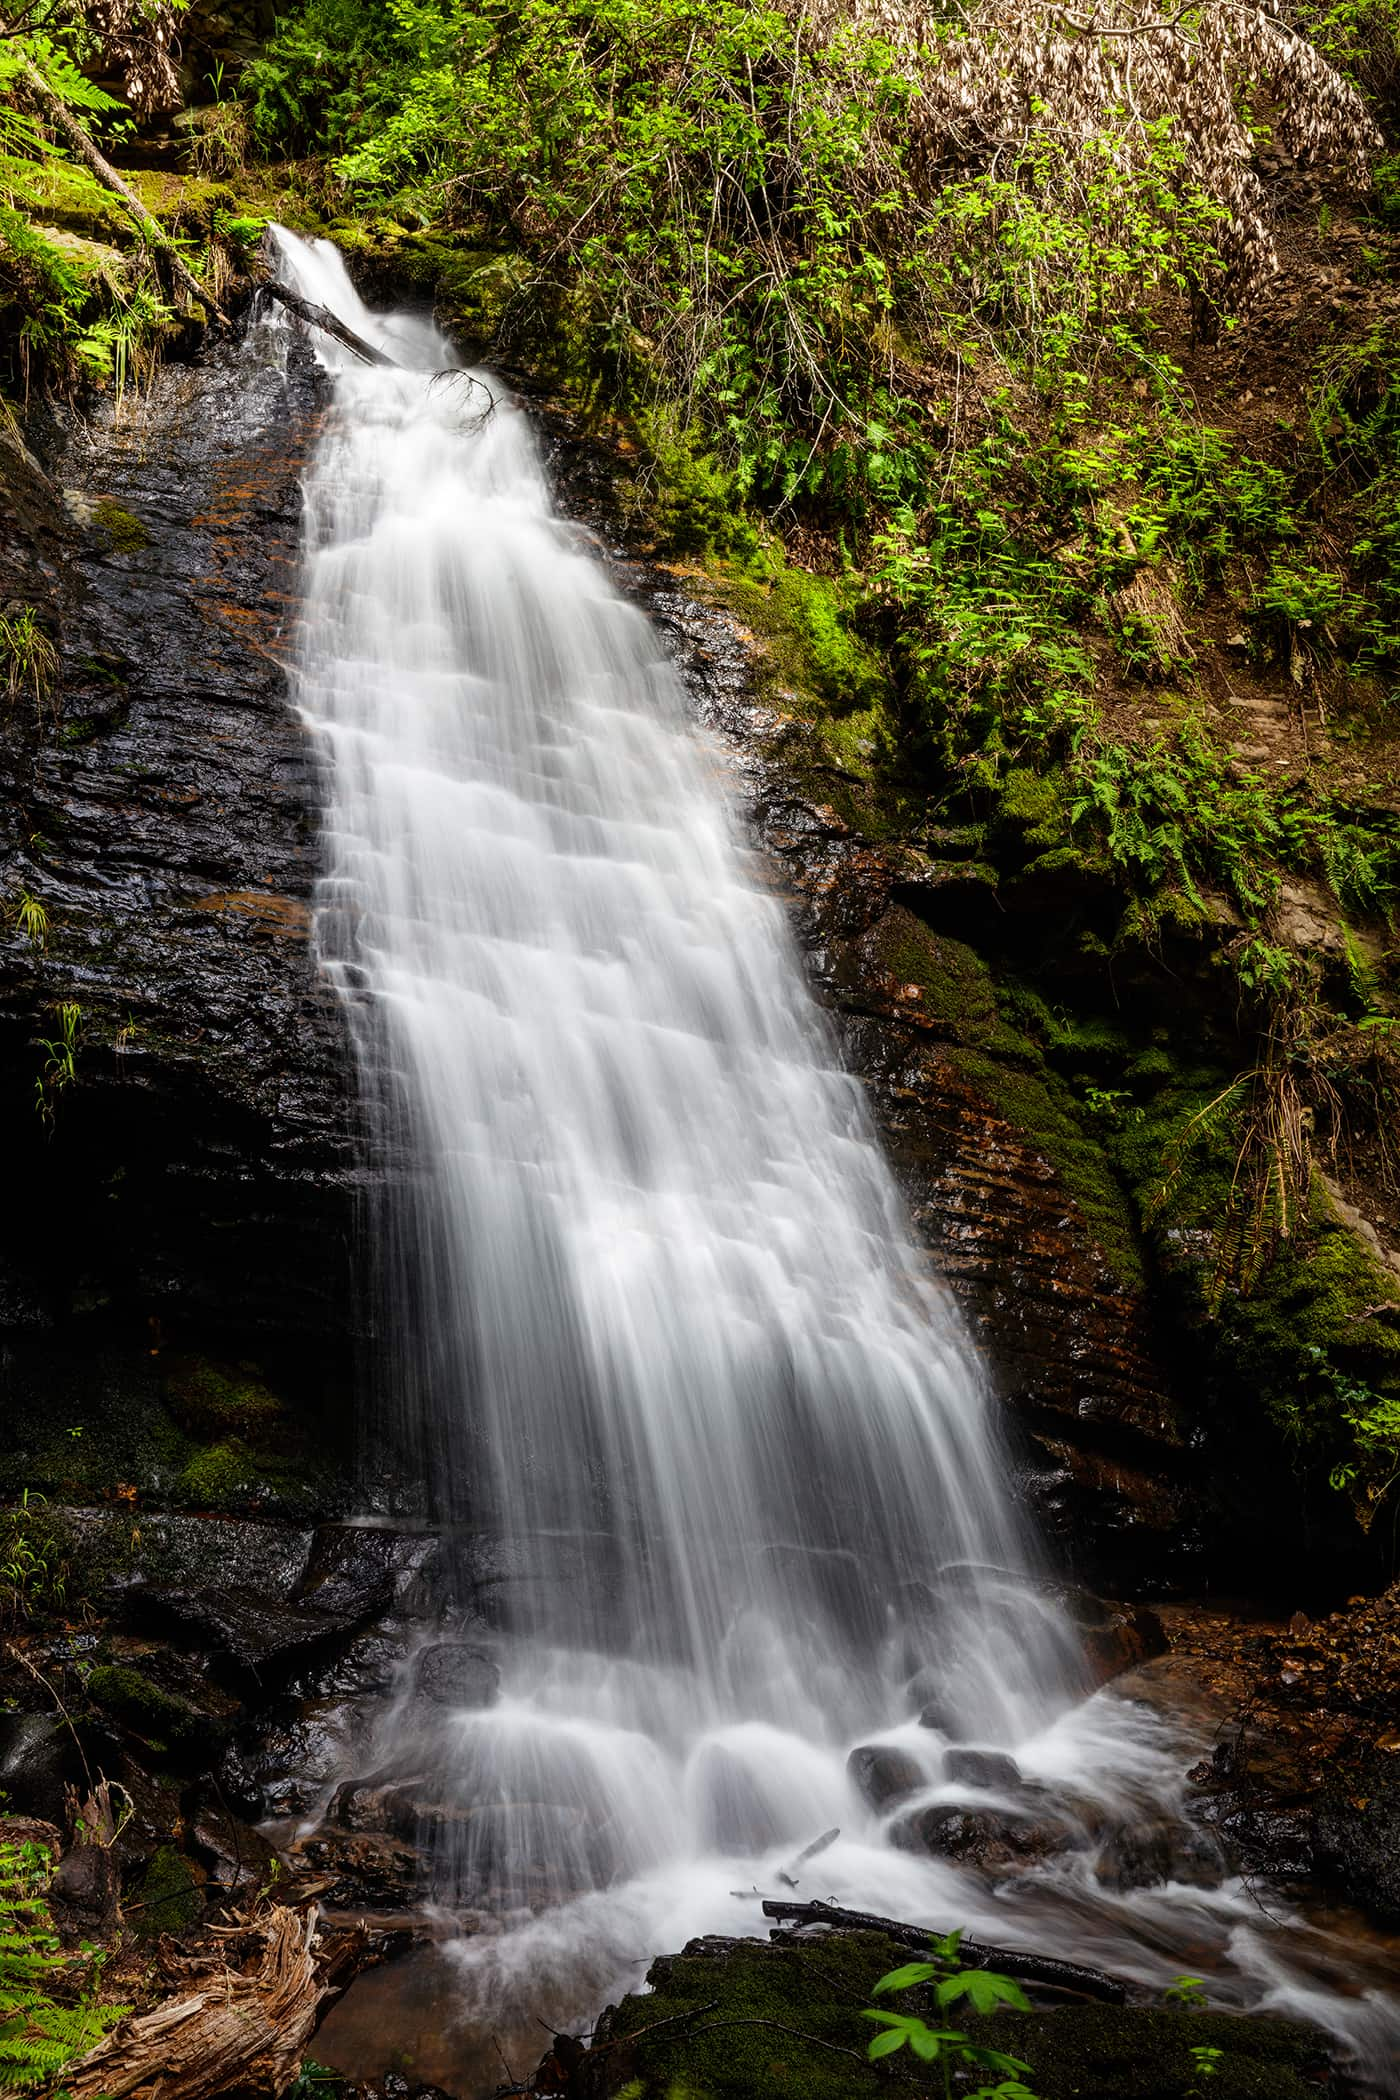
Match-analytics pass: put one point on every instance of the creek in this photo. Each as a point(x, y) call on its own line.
point(654, 1337)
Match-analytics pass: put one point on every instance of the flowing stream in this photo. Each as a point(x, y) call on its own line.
point(661, 1347)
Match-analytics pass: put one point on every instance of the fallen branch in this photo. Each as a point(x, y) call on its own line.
point(329, 324)
point(1010, 1961)
point(243, 2029)
point(57, 113)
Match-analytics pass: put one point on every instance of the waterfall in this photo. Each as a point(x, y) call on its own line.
point(716, 1447)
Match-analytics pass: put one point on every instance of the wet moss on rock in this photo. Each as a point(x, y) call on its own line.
point(164, 1721)
point(755, 2020)
point(122, 527)
point(112, 1425)
point(166, 1896)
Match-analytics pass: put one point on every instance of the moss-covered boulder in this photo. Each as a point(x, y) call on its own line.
point(755, 2020)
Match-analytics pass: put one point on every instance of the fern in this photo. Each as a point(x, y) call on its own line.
point(50, 2012)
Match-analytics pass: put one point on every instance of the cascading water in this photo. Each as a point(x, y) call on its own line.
point(660, 1339)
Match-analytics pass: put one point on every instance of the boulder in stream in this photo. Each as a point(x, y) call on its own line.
point(883, 1776)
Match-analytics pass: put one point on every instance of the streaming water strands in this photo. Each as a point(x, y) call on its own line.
point(658, 1337)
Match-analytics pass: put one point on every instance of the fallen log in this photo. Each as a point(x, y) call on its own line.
point(329, 324)
point(245, 2025)
point(1009, 1961)
point(57, 113)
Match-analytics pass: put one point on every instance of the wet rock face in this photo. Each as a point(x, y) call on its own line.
point(158, 800)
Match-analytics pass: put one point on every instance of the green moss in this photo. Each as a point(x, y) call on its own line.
point(220, 1476)
point(757, 2021)
point(1313, 1347)
point(836, 665)
point(166, 1898)
point(209, 1397)
point(1041, 1108)
point(810, 665)
point(1036, 805)
point(682, 497)
point(1010, 1070)
point(125, 531)
point(205, 1436)
point(164, 1721)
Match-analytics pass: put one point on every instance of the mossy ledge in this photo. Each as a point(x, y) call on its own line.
point(740, 2019)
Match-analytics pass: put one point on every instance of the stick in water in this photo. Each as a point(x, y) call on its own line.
point(1011, 1961)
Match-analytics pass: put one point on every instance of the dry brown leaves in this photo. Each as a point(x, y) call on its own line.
point(1002, 74)
point(139, 42)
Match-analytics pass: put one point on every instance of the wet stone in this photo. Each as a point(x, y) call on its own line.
point(253, 1633)
point(997, 1840)
point(453, 1674)
point(39, 1762)
point(363, 1870)
point(285, 1767)
point(884, 1776)
point(361, 1571)
point(1124, 1637)
point(992, 1769)
point(1152, 1853)
point(234, 1854)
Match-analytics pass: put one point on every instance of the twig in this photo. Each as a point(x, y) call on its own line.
point(798, 2034)
point(329, 324)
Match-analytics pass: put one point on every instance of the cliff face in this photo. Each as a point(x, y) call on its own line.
point(193, 1167)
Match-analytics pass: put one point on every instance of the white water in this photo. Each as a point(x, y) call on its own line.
point(662, 1346)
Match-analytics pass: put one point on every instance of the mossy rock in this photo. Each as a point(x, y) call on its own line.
point(110, 1425)
point(162, 1720)
point(217, 1399)
point(755, 2020)
point(123, 528)
point(1035, 806)
point(166, 1897)
point(1010, 1071)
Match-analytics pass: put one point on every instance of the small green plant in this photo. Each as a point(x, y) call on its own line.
point(33, 1571)
point(1188, 1992)
point(28, 658)
point(314, 2082)
point(50, 2005)
point(219, 145)
point(31, 917)
point(951, 2052)
point(59, 1070)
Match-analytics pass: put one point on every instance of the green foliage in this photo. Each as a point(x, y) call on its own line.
point(33, 1568)
point(50, 2010)
point(73, 308)
point(28, 658)
point(31, 916)
point(316, 2082)
point(59, 1069)
point(1362, 39)
point(953, 2053)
